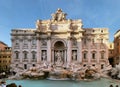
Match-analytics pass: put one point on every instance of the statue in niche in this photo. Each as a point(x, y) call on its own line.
point(44, 55)
point(74, 55)
point(58, 57)
point(59, 15)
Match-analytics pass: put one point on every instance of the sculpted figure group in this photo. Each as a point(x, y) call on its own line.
point(59, 15)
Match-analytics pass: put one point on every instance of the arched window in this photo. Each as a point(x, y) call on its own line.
point(17, 55)
point(85, 55)
point(33, 54)
point(25, 54)
point(25, 66)
point(93, 55)
point(102, 55)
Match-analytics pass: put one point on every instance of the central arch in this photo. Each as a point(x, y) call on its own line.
point(59, 51)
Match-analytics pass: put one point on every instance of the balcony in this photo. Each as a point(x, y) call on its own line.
point(34, 60)
point(25, 60)
point(16, 60)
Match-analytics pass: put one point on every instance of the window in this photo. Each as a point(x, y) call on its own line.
point(93, 65)
point(25, 55)
point(85, 55)
point(102, 55)
point(102, 66)
point(33, 41)
point(17, 55)
point(33, 55)
point(33, 65)
point(84, 65)
point(93, 55)
point(25, 66)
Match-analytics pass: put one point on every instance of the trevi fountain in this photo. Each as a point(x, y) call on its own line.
point(59, 73)
point(69, 75)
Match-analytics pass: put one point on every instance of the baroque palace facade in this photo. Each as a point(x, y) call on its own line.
point(5, 57)
point(60, 40)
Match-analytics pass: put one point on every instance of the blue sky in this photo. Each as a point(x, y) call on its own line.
point(24, 13)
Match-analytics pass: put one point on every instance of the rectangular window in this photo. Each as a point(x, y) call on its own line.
point(33, 55)
point(25, 55)
point(102, 55)
point(102, 66)
point(93, 55)
point(85, 55)
point(33, 42)
point(25, 66)
point(17, 55)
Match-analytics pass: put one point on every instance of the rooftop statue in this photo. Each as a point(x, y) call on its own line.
point(59, 15)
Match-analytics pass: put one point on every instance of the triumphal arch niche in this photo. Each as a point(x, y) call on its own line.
point(63, 39)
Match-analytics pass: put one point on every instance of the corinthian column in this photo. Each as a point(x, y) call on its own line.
point(79, 52)
point(38, 50)
point(49, 50)
point(69, 50)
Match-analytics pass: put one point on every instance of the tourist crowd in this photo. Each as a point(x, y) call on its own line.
point(3, 84)
point(115, 86)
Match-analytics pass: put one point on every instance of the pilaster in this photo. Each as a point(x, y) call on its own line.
point(38, 49)
point(49, 50)
point(69, 50)
point(79, 51)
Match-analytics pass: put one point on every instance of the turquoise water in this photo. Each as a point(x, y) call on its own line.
point(48, 83)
